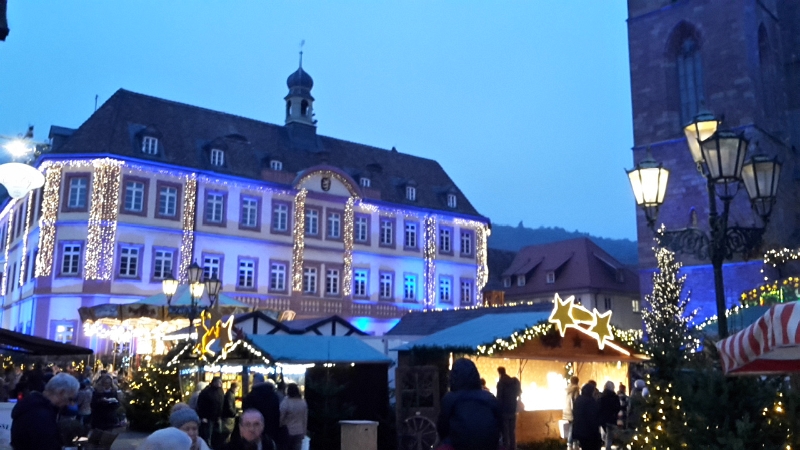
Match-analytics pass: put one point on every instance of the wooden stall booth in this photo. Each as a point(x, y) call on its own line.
point(541, 349)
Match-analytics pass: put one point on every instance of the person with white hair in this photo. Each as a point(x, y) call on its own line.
point(34, 423)
point(167, 439)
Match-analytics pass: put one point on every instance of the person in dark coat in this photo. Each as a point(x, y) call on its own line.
point(251, 433)
point(105, 403)
point(470, 418)
point(34, 423)
point(229, 412)
point(508, 392)
point(586, 419)
point(609, 408)
point(209, 408)
point(264, 399)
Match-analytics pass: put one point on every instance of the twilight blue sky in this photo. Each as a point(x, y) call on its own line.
point(526, 104)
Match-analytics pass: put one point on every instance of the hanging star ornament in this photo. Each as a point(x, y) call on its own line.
point(601, 328)
point(561, 315)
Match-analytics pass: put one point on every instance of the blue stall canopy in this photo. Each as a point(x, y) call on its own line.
point(304, 349)
point(484, 330)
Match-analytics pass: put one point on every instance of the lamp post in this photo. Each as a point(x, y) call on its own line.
point(720, 158)
point(18, 177)
point(196, 287)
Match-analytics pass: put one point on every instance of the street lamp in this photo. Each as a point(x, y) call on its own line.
point(213, 286)
point(720, 158)
point(170, 286)
point(196, 287)
point(17, 177)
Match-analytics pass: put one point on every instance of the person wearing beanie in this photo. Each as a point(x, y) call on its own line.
point(167, 439)
point(187, 420)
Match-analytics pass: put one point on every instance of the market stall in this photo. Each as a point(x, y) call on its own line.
point(541, 349)
point(771, 345)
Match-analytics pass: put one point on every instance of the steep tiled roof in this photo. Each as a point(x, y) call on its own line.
point(429, 322)
point(187, 133)
point(579, 264)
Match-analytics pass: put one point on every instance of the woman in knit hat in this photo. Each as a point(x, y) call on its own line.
point(166, 439)
point(186, 420)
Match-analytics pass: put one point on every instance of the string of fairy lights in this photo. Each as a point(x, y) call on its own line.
point(187, 237)
point(8, 245)
point(47, 221)
point(102, 224)
point(299, 240)
point(430, 261)
point(349, 217)
point(24, 258)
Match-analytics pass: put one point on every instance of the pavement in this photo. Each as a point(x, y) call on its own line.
point(128, 440)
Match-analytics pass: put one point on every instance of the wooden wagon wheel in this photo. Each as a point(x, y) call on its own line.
point(420, 433)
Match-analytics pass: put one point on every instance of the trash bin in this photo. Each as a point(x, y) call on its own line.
point(359, 434)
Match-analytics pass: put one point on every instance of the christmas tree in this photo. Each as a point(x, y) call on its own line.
point(154, 390)
point(669, 339)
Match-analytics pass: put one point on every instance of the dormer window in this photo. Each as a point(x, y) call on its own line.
point(451, 200)
point(507, 282)
point(551, 277)
point(217, 157)
point(275, 165)
point(521, 280)
point(150, 145)
point(411, 193)
point(364, 182)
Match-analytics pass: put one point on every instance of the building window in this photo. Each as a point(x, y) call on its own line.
point(78, 192)
point(636, 306)
point(361, 229)
point(690, 79)
point(466, 292)
point(277, 277)
point(332, 282)
point(247, 274)
point(360, 282)
point(211, 267)
point(312, 222)
point(275, 165)
point(249, 212)
point(607, 303)
point(63, 331)
point(334, 225)
point(466, 243)
point(551, 277)
point(280, 217)
point(521, 280)
point(32, 265)
point(507, 282)
point(71, 259)
point(444, 241)
point(134, 196)
point(167, 201)
point(150, 145)
point(410, 287)
point(410, 237)
point(215, 205)
point(386, 290)
point(451, 200)
point(217, 157)
point(310, 280)
point(387, 232)
point(129, 262)
point(364, 182)
point(445, 289)
point(162, 263)
point(10, 285)
point(411, 193)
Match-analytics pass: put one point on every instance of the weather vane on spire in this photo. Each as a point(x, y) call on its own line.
point(302, 43)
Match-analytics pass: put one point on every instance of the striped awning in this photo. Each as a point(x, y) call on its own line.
point(771, 345)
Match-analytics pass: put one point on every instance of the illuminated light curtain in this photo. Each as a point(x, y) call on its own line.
point(24, 260)
point(430, 263)
point(298, 235)
point(187, 243)
point(8, 244)
point(47, 223)
point(482, 276)
point(103, 219)
point(349, 217)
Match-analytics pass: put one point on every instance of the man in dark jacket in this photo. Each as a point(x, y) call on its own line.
point(251, 433)
point(34, 423)
point(470, 418)
point(586, 419)
point(229, 412)
point(508, 392)
point(264, 399)
point(209, 408)
point(609, 408)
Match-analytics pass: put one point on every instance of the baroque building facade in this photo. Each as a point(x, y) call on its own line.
point(285, 218)
point(739, 59)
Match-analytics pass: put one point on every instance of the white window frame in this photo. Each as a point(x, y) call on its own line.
point(212, 266)
point(410, 235)
point(150, 145)
point(246, 277)
point(334, 225)
point(163, 262)
point(452, 202)
point(507, 282)
point(466, 291)
point(129, 261)
point(215, 205)
point(411, 193)
point(312, 222)
point(275, 165)
point(280, 217)
point(332, 278)
point(636, 305)
point(387, 232)
point(360, 277)
point(361, 229)
point(217, 157)
point(445, 289)
point(277, 276)
point(168, 201)
point(386, 288)
point(445, 245)
point(364, 182)
point(466, 243)
point(249, 212)
point(309, 280)
point(71, 259)
point(78, 190)
point(134, 195)
point(409, 287)
point(521, 280)
point(551, 277)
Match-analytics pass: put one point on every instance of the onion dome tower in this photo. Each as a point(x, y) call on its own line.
point(299, 102)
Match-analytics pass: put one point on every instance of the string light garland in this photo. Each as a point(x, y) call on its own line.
point(102, 224)
point(430, 261)
point(482, 233)
point(187, 239)
point(298, 234)
point(24, 259)
point(47, 222)
point(329, 174)
point(347, 277)
point(8, 244)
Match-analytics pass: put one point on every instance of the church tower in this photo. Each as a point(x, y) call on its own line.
point(299, 102)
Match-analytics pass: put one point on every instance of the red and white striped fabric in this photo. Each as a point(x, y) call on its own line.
point(770, 345)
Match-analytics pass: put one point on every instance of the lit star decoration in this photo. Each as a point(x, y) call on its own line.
point(567, 314)
point(561, 316)
point(601, 328)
